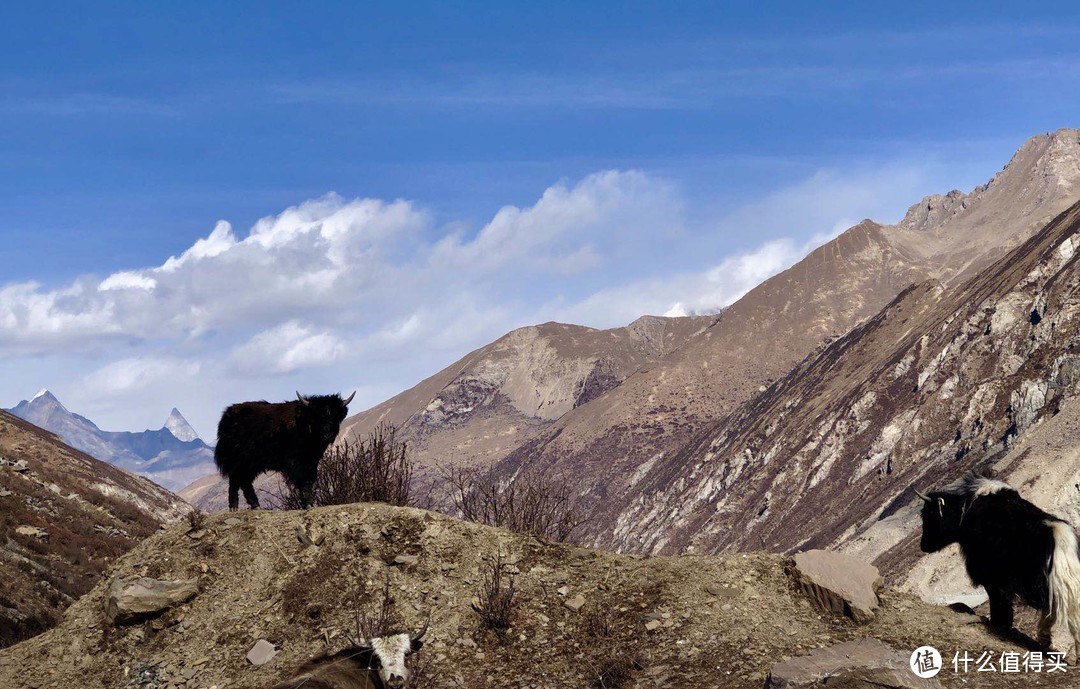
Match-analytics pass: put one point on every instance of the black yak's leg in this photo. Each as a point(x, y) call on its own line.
point(234, 494)
point(249, 495)
point(1001, 608)
point(1046, 624)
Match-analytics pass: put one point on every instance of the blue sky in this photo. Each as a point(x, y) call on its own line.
point(492, 165)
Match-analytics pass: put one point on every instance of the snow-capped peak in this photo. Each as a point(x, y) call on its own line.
point(41, 393)
point(179, 426)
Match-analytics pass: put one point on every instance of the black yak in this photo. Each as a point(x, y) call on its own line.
point(287, 437)
point(1011, 548)
point(377, 663)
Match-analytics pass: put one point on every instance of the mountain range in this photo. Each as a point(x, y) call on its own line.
point(171, 456)
point(802, 414)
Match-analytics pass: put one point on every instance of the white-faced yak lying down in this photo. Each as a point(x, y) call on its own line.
point(377, 663)
point(1011, 548)
point(287, 437)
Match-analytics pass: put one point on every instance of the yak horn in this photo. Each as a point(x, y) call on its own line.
point(303, 400)
point(354, 642)
point(924, 498)
point(420, 634)
point(350, 398)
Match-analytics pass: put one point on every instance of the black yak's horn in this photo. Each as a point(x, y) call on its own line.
point(924, 498)
point(423, 630)
point(350, 398)
point(301, 398)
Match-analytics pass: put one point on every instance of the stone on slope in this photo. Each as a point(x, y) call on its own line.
point(135, 598)
point(261, 653)
point(863, 662)
point(838, 583)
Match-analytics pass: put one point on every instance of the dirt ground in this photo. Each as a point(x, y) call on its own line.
point(681, 622)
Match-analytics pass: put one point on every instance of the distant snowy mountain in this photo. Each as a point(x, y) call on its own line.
point(179, 426)
point(171, 456)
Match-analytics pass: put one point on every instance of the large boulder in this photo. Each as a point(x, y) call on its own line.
point(861, 664)
point(136, 598)
point(838, 583)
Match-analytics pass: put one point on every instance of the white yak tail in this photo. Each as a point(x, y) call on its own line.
point(1064, 579)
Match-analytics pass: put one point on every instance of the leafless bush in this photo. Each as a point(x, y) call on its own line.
point(377, 469)
point(196, 519)
point(599, 622)
point(616, 671)
point(379, 617)
point(533, 502)
point(497, 603)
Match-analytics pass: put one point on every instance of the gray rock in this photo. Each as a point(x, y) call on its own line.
point(136, 598)
point(406, 560)
point(838, 583)
point(261, 653)
point(864, 662)
point(575, 603)
point(233, 521)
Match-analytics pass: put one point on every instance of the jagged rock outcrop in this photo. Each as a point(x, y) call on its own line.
point(131, 599)
point(838, 583)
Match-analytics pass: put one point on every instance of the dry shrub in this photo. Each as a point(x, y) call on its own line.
point(616, 671)
point(196, 519)
point(497, 603)
point(533, 502)
point(377, 469)
point(613, 642)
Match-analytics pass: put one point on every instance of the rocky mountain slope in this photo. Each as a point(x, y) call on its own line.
point(943, 380)
point(161, 455)
point(482, 407)
point(688, 622)
point(64, 518)
point(646, 422)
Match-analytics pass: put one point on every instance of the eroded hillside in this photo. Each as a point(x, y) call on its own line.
point(64, 518)
point(941, 381)
point(645, 425)
point(691, 622)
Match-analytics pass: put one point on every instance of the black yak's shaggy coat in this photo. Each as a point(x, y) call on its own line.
point(1011, 548)
point(287, 437)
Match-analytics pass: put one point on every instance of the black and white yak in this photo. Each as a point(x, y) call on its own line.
point(287, 437)
point(377, 663)
point(1010, 548)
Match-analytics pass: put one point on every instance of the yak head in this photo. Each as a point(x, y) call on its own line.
point(942, 513)
point(386, 655)
point(320, 417)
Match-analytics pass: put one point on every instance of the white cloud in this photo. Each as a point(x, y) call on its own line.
point(137, 374)
point(127, 280)
point(289, 347)
point(333, 293)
